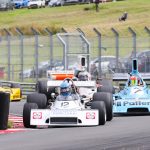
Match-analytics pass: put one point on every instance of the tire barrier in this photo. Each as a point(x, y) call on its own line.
point(4, 110)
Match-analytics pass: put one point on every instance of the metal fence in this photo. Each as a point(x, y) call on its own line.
point(26, 58)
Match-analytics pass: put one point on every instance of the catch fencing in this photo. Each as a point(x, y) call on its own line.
point(27, 58)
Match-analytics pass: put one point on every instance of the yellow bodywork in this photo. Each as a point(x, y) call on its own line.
point(15, 93)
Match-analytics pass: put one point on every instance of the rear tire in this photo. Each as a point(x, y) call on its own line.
point(108, 99)
point(106, 86)
point(39, 99)
point(26, 114)
point(41, 87)
point(100, 105)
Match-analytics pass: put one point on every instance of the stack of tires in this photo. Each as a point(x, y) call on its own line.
point(4, 110)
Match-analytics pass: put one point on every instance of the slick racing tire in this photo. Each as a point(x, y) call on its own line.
point(26, 114)
point(106, 86)
point(41, 87)
point(100, 105)
point(39, 99)
point(108, 99)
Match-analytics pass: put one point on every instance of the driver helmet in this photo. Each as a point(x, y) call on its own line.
point(133, 80)
point(83, 76)
point(65, 89)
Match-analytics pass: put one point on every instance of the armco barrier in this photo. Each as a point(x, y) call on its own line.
point(4, 110)
point(27, 88)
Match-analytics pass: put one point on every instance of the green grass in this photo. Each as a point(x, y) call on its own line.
point(10, 124)
point(71, 17)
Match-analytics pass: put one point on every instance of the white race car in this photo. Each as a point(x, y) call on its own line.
point(72, 112)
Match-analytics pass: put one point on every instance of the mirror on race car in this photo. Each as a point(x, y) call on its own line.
point(135, 66)
point(53, 95)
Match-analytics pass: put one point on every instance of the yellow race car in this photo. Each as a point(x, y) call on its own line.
point(14, 89)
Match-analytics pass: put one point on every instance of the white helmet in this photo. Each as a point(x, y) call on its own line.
point(83, 76)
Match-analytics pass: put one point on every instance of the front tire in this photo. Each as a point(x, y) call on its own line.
point(100, 105)
point(26, 114)
point(39, 99)
point(108, 100)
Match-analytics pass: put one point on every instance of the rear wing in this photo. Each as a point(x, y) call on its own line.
point(60, 74)
point(76, 83)
point(125, 76)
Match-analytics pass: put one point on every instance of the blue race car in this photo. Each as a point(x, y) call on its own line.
point(135, 97)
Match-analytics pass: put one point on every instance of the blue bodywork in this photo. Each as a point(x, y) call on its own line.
point(135, 97)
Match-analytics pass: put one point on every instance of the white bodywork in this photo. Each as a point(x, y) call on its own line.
point(88, 84)
point(65, 113)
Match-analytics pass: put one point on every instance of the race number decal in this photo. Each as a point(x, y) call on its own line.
point(37, 115)
point(90, 115)
point(65, 104)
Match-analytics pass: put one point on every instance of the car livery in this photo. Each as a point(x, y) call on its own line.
point(42, 111)
point(135, 97)
point(14, 89)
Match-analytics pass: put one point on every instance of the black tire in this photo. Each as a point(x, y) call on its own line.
point(108, 99)
point(41, 86)
point(107, 86)
point(39, 99)
point(100, 105)
point(26, 114)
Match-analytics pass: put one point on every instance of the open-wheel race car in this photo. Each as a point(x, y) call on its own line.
point(60, 103)
point(14, 89)
point(135, 97)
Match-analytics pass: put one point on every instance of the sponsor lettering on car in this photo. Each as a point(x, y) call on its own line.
point(133, 103)
point(90, 115)
point(64, 112)
point(37, 115)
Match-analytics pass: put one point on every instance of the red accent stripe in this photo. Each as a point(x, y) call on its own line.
point(17, 121)
point(11, 131)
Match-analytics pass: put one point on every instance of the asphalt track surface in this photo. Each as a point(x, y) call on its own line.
point(122, 133)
